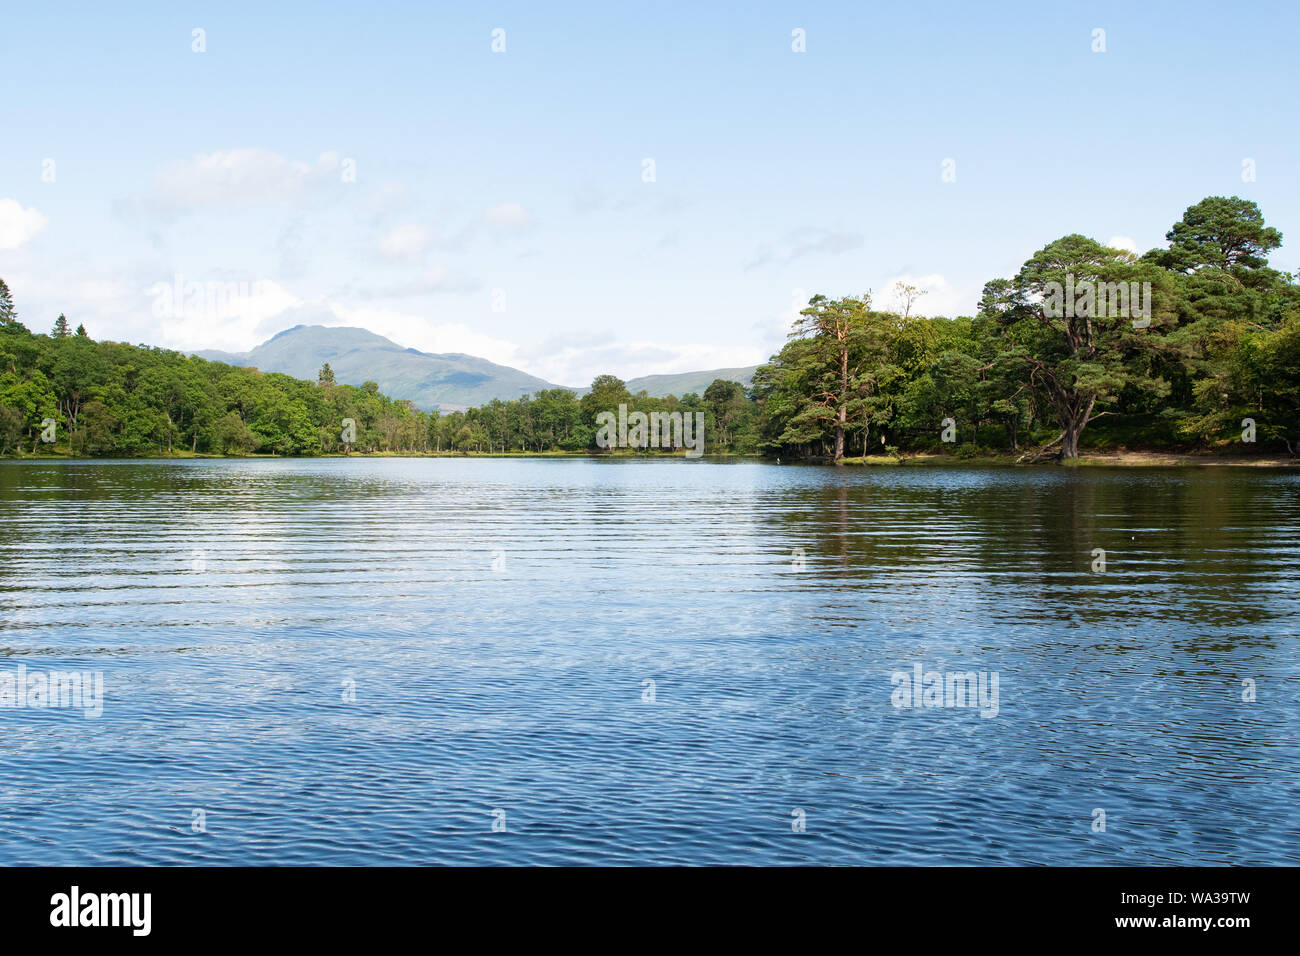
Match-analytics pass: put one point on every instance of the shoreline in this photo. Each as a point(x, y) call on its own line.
point(1098, 459)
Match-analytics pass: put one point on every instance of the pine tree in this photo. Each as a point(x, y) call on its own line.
point(326, 376)
point(81, 330)
point(7, 314)
point(60, 330)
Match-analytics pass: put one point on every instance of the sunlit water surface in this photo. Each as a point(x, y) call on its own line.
point(499, 621)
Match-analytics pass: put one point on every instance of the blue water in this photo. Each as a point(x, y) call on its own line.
point(498, 622)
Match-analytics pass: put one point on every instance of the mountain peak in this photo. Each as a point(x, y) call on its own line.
point(430, 380)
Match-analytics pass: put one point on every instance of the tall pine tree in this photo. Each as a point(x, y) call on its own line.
point(8, 316)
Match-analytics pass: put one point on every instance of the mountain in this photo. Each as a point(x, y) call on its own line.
point(659, 386)
point(446, 381)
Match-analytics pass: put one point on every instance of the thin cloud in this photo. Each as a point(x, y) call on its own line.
point(229, 177)
point(436, 280)
point(405, 242)
point(804, 242)
point(507, 217)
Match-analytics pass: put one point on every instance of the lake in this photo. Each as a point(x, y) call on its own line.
point(569, 661)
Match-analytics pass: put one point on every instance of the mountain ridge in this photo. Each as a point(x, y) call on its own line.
point(444, 380)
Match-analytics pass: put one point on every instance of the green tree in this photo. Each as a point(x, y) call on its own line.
point(1077, 351)
point(235, 437)
point(727, 410)
point(607, 393)
point(8, 314)
point(77, 368)
point(11, 428)
point(833, 326)
point(1220, 233)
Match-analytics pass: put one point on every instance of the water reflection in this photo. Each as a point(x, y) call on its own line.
point(499, 621)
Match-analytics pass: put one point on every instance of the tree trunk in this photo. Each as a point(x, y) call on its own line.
point(1070, 443)
point(1073, 419)
point(841, 413)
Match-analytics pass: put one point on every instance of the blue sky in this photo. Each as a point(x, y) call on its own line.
point(499, 204)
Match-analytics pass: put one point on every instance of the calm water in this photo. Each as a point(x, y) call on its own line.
point(498, 622)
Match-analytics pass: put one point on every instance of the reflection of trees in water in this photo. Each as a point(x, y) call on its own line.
point(69, 510)
point(1191, 548)
point(34, 508)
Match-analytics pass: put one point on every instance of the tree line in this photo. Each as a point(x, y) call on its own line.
point(113, 399)
point(1194, 344)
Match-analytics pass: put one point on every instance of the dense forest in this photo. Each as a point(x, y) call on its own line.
point(1204, 353)
point(110, 398)
point(1211, 358)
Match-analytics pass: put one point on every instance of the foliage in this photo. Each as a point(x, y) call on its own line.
point(114, 399)
point(1216, 342)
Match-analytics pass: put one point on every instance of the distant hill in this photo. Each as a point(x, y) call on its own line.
point(446, 381)
point(659, 386)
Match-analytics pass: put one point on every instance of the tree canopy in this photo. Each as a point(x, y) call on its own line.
point(114, 399)
point(1175, 347)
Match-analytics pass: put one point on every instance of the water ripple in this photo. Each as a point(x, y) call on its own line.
point(371, 661)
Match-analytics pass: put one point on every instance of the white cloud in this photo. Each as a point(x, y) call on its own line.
point(230, 177)
point(405, 242)
point(18, 225)
point(772, 331)
point(192, 313)
point(1122, 242)
point(85, 299)
point(413, 331)
point(576, 365)
point(940, 297)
